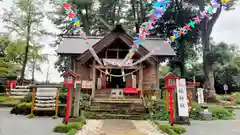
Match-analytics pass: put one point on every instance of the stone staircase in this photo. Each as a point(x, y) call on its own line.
point(102, 107)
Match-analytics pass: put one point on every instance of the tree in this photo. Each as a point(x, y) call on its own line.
point(24, 19)
point(8, 65)
point(36, 59)
point(175, 17)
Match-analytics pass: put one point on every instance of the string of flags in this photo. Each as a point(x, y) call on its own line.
point(75, 20)
point(159, 7)
point(177, 33)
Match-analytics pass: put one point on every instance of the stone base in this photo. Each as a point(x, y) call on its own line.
point(206, 115)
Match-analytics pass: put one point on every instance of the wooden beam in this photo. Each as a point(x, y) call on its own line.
point(140, 83)
point(112, 67)
point(157, 83)
point(93, 79)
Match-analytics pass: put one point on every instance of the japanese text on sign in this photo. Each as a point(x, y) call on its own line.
point(182, 98)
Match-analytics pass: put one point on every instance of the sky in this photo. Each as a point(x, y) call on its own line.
point(226, 29)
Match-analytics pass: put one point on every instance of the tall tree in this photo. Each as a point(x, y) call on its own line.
point(206, 30)
point(35, 60)
point(175, 17)
point(24, 18)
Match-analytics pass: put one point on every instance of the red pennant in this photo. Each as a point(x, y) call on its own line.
point(66, 6)
point(71, 15)
point(187, 27)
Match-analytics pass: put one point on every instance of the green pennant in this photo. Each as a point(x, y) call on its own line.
point(210, 10)
point(191, 24)
point(64, 1)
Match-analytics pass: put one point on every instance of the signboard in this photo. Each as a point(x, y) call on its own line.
point(117, 93)
point(77, 84)
point(86, 84)
point(200, 95)
point(225, 87)
point(182, 98)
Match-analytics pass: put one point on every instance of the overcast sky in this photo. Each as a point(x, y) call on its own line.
point(226, 29)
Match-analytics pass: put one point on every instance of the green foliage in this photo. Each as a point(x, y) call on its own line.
point(195, 111)
point(65, 128)
point(159, 112)
point(172, 130)
point(72, 132)
point(25, 105)
point(235, 97)
point(27, 98)
point(220, 113)
point(30, 116)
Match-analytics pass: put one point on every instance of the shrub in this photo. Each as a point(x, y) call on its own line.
point(65, 128)
point(195, 111)
point(220, 113)
point(25, 105)
point(158, 109)
point(30, 116)
point(27, 98)
point(236, 97)
point(172, 130)
point(72, 132)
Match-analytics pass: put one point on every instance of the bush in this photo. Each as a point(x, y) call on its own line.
point(25, 105)
point(72, 132)
point(220, 113)
point(172, 130)
point(30, 116)
point(195, 111)
point(27, 98)
point(158, 109)
point(65, 128)
point(236, 97)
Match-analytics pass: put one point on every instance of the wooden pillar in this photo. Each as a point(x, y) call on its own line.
point(77, 101)
point(157, 72)
point(33, 99)
point(57, 100)
point(93, 79)
point(140, 83)
point(74, 65)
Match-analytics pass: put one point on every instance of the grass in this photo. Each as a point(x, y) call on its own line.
point(171, 130)
point(5, 100)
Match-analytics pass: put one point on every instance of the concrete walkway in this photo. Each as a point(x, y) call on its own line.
point(218, 127)
point(20, 125)
point(119, 127)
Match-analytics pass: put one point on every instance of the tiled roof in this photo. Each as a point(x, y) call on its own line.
point(76, 45)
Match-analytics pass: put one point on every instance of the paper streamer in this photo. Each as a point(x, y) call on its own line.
point(159, 7)
point(184, 30)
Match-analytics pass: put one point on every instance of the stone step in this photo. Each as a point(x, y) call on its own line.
point(114, 111)
point(107, 115)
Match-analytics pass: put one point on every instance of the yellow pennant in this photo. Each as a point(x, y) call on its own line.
point(225, 1)
point(173, 38)
point(77, 23)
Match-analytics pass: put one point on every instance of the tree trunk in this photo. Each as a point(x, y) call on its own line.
point(208, 66)
point(33, 70)
point(142, 16)
point(133, 2)
point(27, 46)
point(86, 21)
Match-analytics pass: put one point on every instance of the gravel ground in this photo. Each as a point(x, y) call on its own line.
point(20, 125)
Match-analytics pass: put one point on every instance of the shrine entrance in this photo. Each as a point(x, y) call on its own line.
point(116, 82)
